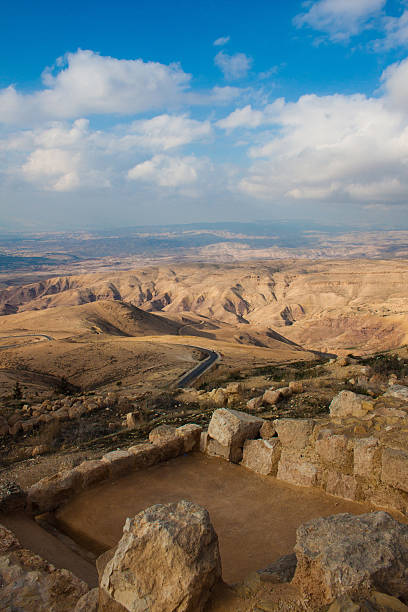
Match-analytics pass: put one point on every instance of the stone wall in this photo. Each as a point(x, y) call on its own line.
point(358, 452)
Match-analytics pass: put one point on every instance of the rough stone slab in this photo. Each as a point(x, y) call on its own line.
point(349, 404)
point(333, 449)
point(190, 434)
point(296, 470)
point(230, 453)
point(168, 559)
point(350, 555)
point(367, 456)
point(342, 485)
point(162, 434)
point(119, 462)
point(28, 584)
point(145, 455)
point(92, 472)
point(394, 469)
point(294, 433)
point(398, 391)
point(232, 428)
point(262, 456)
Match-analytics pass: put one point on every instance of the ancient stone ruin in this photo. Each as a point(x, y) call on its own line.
point(168, 557)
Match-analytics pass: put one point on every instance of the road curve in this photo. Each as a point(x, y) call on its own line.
point(49, 338)
point(200, 368)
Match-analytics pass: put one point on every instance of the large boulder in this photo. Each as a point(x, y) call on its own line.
point(167, 560)
point(350, 555)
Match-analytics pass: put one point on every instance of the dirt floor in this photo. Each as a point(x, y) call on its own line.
point(255, 517)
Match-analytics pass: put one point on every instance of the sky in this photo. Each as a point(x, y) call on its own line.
point(155, 112)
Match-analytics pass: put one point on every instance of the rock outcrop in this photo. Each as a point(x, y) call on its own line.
point(167, 559)
point(351, 555)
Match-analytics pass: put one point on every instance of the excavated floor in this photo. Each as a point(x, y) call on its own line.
point(255, 517)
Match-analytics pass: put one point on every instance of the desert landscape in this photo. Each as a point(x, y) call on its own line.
point(204, 306)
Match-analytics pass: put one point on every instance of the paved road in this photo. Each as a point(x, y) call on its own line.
point(23, 336)
point(199, 369)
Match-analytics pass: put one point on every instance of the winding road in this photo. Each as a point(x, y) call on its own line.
point(200, 368)
point(49, 338)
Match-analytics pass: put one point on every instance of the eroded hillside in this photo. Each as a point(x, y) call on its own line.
point(332, 305)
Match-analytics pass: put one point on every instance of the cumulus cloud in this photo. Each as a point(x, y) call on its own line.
point(220, 42)
point(248, 117)
point(165, 132)
point(85, 83)
point(333, 148)
point(167, 171)
point(234, 66)
point(340, 19)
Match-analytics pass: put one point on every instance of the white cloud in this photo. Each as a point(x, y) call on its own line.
point(395, 33)
point(165, 132)
point(340, 19)
point(336, 148)
point(247, 117)
point(167, 171)
point(233, 66)
point(220, 42)
point(86, 83)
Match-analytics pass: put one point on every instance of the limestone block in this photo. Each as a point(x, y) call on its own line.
point(267, 430)
point(341, 485)
point(347, 404)
point(12, 497)
point(168, 559)
point(92, 472)
point(394, 468)
point(366, 457)
point(230, 453)
point(190, 435)
point(8, 540)
point(119, 462)
point(232, 428)
point(170, 443)
point(294, 433)
point(234, 388)
point(344, 604)
point(296, 386)
point(48, 493)
point(349, 555)
point(285, 391)
point(262, 456)
point(254, 404)
point(272, 396)
point(387, 602)
point(294, 469)
point(333, 449)
point(145, 455)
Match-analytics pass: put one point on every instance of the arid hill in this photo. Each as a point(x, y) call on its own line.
point(331, 305)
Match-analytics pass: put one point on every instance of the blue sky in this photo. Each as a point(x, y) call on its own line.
point(152, 112)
